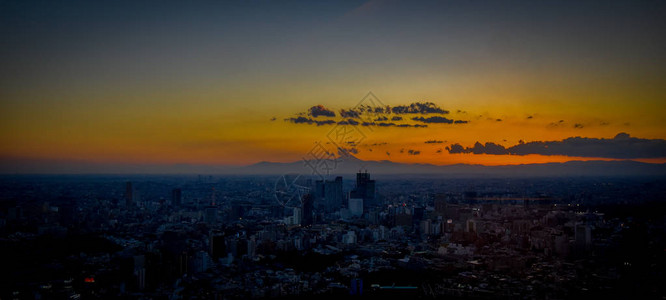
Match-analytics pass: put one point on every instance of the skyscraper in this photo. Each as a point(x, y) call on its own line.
point(356, 206)
point(365, 189)
point(440, 204)
point(308, 210)
point(329, 194)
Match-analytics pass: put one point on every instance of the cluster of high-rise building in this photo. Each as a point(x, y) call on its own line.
point(230, 238)
point(330, 197)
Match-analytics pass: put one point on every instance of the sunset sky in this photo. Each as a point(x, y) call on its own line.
point(187, 82)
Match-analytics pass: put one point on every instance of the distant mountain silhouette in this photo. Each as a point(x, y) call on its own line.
point(572, 168)
point(347, 166)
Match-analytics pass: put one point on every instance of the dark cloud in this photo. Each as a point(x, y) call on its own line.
point(578, 126)
point(304, 120)
point(413, 152)
point(622, 146)
point(372, 109)
point(380, 116)
point(433, 142)
point(320, 110)
point(438, 119)
point(388, 153)
point(456, 149)
point(488, 148)
point(351, 113)
point(391, 124)
point(530, 117)
point(273, 118)
point(346, 152)
point(419, 108)
point(348, 122)
point(498, 120)
point(435, 119)
point(439, 151)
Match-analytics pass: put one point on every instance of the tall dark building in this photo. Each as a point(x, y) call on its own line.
point(307, 210)
point(129, 195)
point(217, 245)
point(176, 197)
point(440, 204)
point(365, 189)
point(329, 194)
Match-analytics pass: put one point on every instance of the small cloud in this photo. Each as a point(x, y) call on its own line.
point(530, 117)
point(433, 142)
point(351, 113)
point(343, 152)
point(382, 118)
point(320, 110)
point(456, 148)
point(439, 151)
point(498, 120)
point(348, 122)
point(396, 118)
point(304, 120)
point(604, 123)
point(419, 108)
point(435, 119)
point(273, 119)
point(487, 148)
point(578, 126)
point(413, 152)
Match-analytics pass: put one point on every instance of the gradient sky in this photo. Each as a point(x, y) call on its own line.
point(186, 82)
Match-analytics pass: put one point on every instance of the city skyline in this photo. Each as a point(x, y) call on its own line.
point(87, 86)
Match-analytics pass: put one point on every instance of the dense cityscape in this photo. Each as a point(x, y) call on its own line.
point(360, 235)
point(262, 149)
